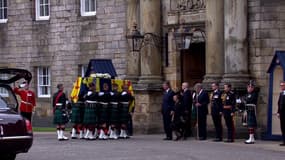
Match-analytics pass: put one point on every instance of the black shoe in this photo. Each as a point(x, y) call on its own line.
point(167, 139)
point(202, 138)
point(282, 144)
point(229, 141)
point(218, 140)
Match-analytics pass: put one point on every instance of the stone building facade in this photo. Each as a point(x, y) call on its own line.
point(240, 39)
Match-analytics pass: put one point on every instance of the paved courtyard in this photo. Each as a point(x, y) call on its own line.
point(149, 147)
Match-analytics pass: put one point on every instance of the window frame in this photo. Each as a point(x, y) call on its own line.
point(83, 69)
point(87, 13)
point(38, 11)
point(39, 86)
point(5, 19)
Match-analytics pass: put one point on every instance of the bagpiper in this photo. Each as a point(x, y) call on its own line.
point(90, 114)
point(59, 108)
point(250, 107)
point(228, 110)
point(125, 99)
point(104, 99)
point(217, 111)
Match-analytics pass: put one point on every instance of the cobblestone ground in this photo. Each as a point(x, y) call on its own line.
point(149, 147)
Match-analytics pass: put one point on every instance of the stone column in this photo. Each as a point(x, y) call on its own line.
point(150, 14)
point(133, 59)
point(236, 45)
point(148, 93)
point(214, 41)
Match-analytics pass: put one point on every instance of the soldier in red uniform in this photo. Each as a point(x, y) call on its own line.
point(28, 100)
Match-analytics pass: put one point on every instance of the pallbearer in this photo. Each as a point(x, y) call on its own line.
point(114, 112)
point(77, 117)
point(228, 110)
point(90, 114)
point(104, 99)
point(125, 100)
point(250, 106)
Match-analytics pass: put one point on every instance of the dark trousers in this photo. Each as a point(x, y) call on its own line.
point(27, 115)
point(166, 124)
point(229, 123)
point(202, 123)
point(282, 125)
point(217, 119)
point(188, 125)
point(130, 125)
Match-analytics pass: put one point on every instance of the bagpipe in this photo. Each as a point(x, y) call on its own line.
point(244, 109)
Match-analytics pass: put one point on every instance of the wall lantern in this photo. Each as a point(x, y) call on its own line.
point(184, 37)
point(137, 41)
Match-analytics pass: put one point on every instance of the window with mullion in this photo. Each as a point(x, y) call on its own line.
point(3, 11)
point(88, 7)
point(44, 82)
point(42, 9)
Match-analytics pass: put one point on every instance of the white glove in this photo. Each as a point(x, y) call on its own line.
point(124, 93)
point(111, 93)
point(22, 85)
point(101, 93)
point(89, 93)
point(238, 100)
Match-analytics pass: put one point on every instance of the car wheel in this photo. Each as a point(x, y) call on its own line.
point(11, 156)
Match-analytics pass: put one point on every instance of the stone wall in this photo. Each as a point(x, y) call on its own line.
point(266, 34)
point(64, 42)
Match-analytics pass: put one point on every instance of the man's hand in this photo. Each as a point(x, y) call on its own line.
point(172, 113)
point(232, 114)
point(198, 104)
point(278, 115)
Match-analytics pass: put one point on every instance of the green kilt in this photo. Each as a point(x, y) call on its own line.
point(124, 113)
point(103, 113)
point(77, 112)
point(114, 113)
point(58, 118)
point(90, 116)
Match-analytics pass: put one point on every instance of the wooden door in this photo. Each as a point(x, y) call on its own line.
point(193, 63)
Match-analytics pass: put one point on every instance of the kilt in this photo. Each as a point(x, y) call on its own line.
point(124, 112)
point(90, 113)
point(103, 113)
point(114, 113)
point(58, 118)
point(77, 112)
point(251, 117)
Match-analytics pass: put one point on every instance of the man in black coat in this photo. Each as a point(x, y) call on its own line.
point(281, 111)
point(167, 107)
point(187, 104)
point(202, 101)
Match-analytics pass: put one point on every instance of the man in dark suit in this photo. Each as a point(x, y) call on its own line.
point(167, 107)
point(187, 104)
point(281, 111)
point(202, 101)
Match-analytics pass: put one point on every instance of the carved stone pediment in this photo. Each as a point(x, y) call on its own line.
point(188, 5)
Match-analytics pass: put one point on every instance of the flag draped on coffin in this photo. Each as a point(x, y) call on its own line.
point(120, 84)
